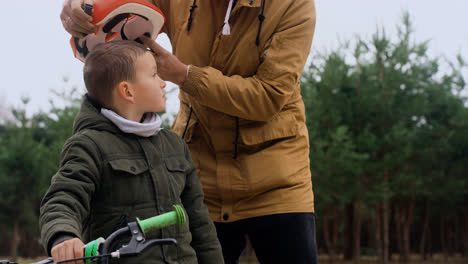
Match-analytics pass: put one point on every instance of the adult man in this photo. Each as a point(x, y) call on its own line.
point(242, 116)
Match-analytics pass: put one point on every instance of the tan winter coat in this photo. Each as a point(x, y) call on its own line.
point(241, 110)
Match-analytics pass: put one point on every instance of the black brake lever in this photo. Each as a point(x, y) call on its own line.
point(138, 244)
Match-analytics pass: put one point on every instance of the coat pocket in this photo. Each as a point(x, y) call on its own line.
point(130, 166)
point(185, 122)
point(129, 182)
point(283, 125)
point(176, 165)
point(177, 170)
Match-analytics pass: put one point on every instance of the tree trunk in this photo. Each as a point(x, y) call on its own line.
point(443, 241)
point(386, 233)
point(336, 226)
point(406, 227)
point(457, 231)
point(378, 231)
point(398, 231)
point(370, 231)
point(15, 240)
point(465, 230)
point(357, 232)
point(451, 225)
point(429, 242)
point(422, 245)
point(348, 232)
point(326, 235)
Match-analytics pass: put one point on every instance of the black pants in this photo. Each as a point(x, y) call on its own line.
point(280, 238)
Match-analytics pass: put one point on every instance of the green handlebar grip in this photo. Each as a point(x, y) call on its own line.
point(91, 249)
point(174, 217)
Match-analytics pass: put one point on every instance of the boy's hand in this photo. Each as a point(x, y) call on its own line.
point(170, 68)
point(68, 249)
point(75, 20)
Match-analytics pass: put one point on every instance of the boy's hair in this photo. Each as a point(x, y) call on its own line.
point(107, 65)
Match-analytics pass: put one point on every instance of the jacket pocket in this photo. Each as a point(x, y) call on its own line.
point(283, 125)
point(177, 169)
point(129, 182)
point(185, 122)
point(176, 165)
point(130, 166)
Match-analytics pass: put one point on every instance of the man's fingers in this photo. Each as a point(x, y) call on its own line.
point(80, 18)
point(155, 47)
point(149, 43)
point(78, 27)
point(76, 4)
point(83, 23)
point(65, 15)
point(75, 20)
point(72, 29)
point(65, 11)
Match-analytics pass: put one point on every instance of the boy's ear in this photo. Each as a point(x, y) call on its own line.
point(126, 92)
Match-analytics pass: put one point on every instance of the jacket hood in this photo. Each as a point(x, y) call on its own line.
point(90, 117)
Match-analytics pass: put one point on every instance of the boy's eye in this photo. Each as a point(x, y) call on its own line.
point(155, 74)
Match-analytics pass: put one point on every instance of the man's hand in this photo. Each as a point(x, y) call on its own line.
point(170, 68)
point(68, 249)
point(75, 20)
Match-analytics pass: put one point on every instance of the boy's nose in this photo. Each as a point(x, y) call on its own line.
point(163, 85)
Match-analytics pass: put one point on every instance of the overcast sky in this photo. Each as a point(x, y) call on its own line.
point(36, 56)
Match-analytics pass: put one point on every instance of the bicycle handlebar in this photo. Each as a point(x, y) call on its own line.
point(157, 222)
point(137, 243)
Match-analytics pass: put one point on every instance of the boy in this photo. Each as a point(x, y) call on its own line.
point(119, 164)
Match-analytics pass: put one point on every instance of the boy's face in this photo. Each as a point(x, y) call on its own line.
point(149, 87)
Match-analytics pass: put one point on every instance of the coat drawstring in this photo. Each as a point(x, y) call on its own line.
point(227, 27)
point(261, 17)
point(236, 140)
point(188, 120)
point(190, 19)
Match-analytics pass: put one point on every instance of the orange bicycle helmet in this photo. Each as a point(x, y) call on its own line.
point(117, 20)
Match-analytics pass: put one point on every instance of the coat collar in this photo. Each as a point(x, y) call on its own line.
point(89, 117)
point(246, 3)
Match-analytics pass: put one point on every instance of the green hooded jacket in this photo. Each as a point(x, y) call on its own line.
point(107, 178)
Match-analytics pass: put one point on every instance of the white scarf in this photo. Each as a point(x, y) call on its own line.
point(150, 126)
